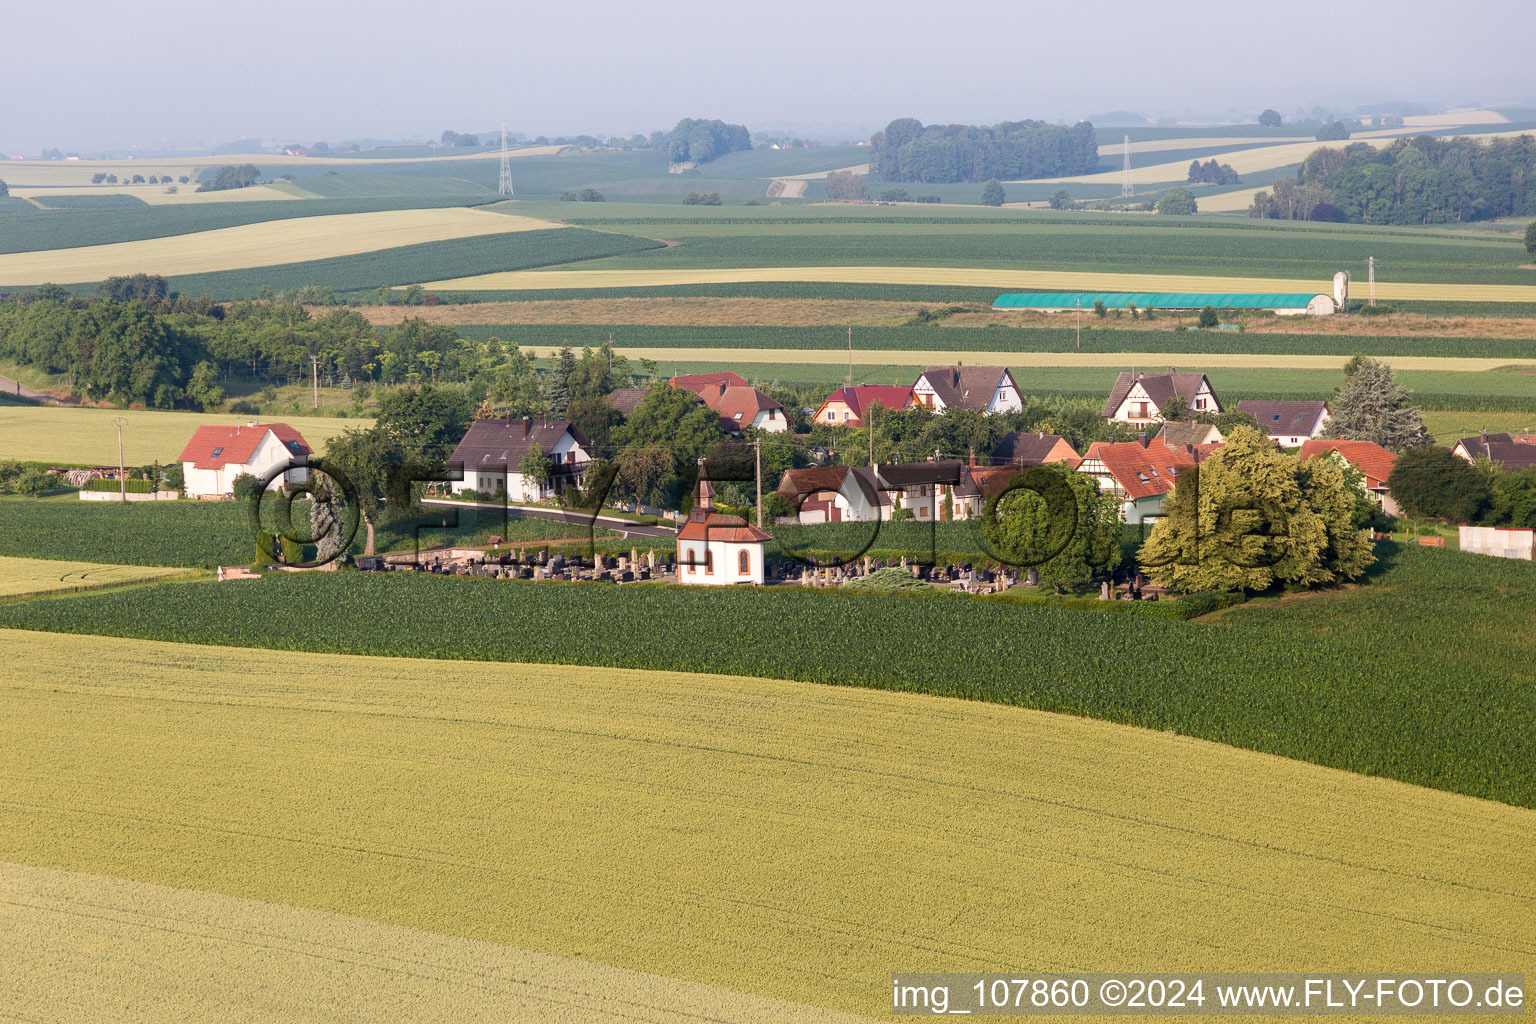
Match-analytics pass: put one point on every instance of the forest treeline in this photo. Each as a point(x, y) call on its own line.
point(909, 151)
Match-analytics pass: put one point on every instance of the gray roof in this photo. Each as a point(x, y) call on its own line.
point(496, 443)
point(1502, 450)
point(1285, 418)
point(627, 400)
point(911, 474)
point(1160, 387)
point(965, 387)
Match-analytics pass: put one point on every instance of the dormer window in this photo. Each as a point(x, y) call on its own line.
point(218, 451)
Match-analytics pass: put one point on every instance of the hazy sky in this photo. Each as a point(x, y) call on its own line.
point(101, 74)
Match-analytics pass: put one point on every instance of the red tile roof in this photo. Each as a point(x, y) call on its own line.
point(861, 397)
point(697, 382)
point(717, 527)
point(1143, 472)
point(236, 444)
point(1368, 457)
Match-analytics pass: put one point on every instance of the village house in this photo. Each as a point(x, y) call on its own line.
point(845, 407)
point(1372, 460)
point(626, 400)
point(1143, 397)
point(1140, 476)
point(1288, 424)
point(492, 453)
point(1023, 449)
point(1507, 451)
point(922, 487)
point(715, 549)
point(738, 404)
point(216, 455)
point(984, 389)
point(835, 494)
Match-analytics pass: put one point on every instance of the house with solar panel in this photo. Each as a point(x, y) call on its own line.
point(1144, 398)
point(1278, 303)
point(217, 454)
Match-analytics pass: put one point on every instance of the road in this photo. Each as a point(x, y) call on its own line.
point(624, 526)
point(10, 387)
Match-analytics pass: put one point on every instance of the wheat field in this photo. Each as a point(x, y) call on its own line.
point(75, 435)
point(783, 840)
point(156, 195)
point(40, 575)
point(1003, 280)
point(265, 244)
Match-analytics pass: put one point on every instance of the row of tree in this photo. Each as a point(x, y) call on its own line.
point(909, 151)
point(1211, 173)
point(1436, 483)
point(1420, 180)
point(231, 176)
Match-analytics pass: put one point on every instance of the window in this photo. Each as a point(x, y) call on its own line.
point(218, 451)
point(709, 561)
point(744, 563)
point(692, 563)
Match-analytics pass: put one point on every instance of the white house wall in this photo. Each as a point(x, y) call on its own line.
point(726, 563)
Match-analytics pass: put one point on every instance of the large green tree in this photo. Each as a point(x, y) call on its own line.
point(1270, 118)
point(1179, 202)
point(428, 420)
point(1435, 483)
point(992, 193)
point(1055, 520)
point(1530, 238)
point(1251, 517)
point(1372, 406)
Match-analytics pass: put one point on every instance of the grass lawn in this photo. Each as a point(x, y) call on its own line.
point(772, 838)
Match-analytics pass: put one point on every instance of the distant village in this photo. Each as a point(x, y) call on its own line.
point(718, 548)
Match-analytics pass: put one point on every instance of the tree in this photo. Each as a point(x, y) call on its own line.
point(672, 420)
point(204, 389)
point(375, 464)
point(992, 193)
point(98, 177)
point(590, 195)
point(697, 141)
point(1372, 406)
point(34, 480)
point(1178, 202)
point(908, 151)
point(841, 185)
point(1530, 238)
point(536, 467)
point(1270, 119)
point(1054, 520)
point(1250, 517)
point(4, 188)
point(1208, 317)
point(428, 421)
point(1435, 483)
point(1061, 199)
point(1333, 131)
point(558, 385)
point(895, 195)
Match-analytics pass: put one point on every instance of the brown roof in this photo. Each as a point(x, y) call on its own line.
point(965, 387)
point(860, 398)
point(1368, 457)
point(498, 442)
point(1189, 432)
point(1285, 419)
point(911, 474)
point(1160, 387)
point(738, 405)
point(718, 527)
point(700, 381)
point(627, 400)
point(213, 445)
point(1024, 449)
point(812, 479)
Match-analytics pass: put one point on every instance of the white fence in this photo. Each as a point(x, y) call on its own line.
point(1499, 542)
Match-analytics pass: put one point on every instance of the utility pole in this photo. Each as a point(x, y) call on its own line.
point(757, 444)
point(1370, 264)
point(1126, 188)
point(850, 354)
point(504, 181)
point(314, 366)
point(1079, 321)
point(122, 475)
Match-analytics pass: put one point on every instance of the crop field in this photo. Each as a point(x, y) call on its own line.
point(1000, 279)
point(81, 436)
point(1318, 682)
point(260, 245)
point(205, 535)
point(109, 196)
point(25, 576)
point(344, 186)
point(407, 264)
point(763, 822)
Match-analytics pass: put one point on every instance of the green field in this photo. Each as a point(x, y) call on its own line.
point(205, 535)
point(749, 835)
point(405, 264)
point(348, 186)
point(1347, 680)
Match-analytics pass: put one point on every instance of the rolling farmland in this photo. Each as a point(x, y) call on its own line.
point(83, 436)
point(763, 824)
point(25, 576)
point(1343, 681)
point(260, 245)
